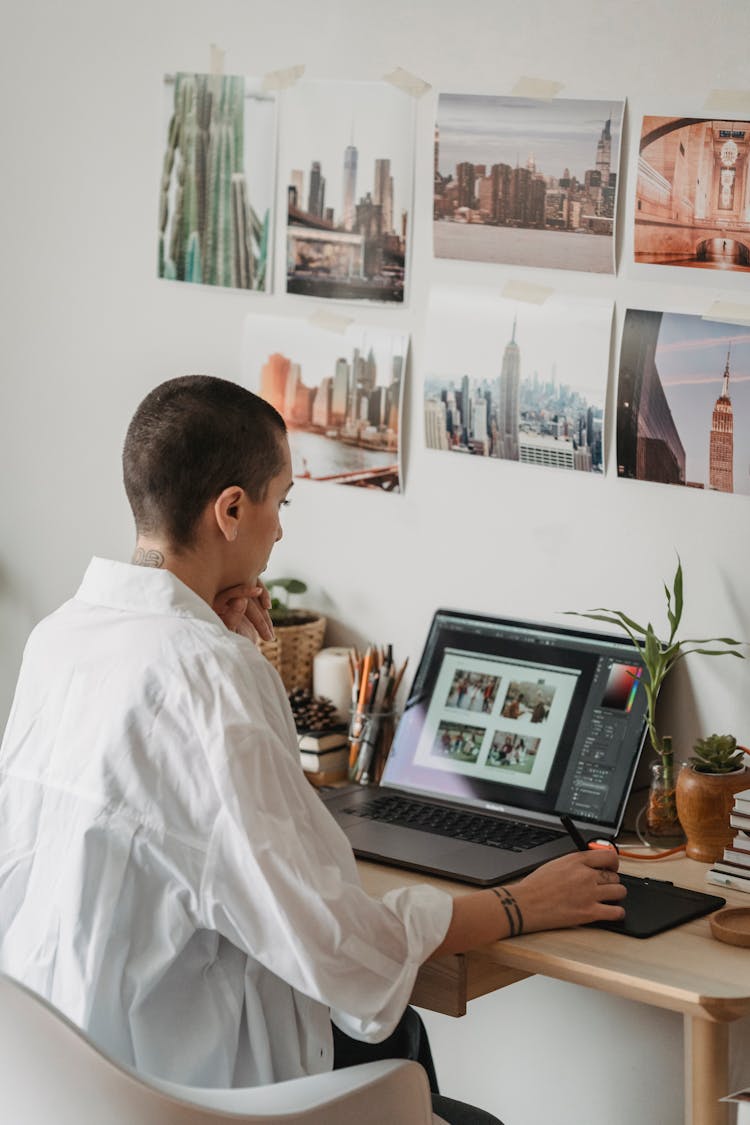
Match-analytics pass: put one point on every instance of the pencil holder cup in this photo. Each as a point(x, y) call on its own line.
point(370, 738)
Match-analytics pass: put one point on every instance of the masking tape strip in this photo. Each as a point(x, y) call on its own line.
point(728, 103)
point(330, 321)
point(282, 79)
point(536, 88)
point(216, 60)
point(407, 82)
point(526, 291)
point(731, 312)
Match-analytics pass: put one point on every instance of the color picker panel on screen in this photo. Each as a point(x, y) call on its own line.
point(622, 685)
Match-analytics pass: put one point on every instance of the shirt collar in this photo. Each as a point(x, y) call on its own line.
point(142, 588)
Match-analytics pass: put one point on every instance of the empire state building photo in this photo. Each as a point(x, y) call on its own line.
point(721, 448)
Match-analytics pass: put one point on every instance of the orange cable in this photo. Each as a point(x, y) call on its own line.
point(657, 855)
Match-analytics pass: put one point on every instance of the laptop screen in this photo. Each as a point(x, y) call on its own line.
point(524, 717)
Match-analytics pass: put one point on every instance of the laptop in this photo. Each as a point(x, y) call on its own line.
point(509, 724)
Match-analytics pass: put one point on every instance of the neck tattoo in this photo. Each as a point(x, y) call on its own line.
point(152, 557)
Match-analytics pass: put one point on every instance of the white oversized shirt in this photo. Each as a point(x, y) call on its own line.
point(168, 877)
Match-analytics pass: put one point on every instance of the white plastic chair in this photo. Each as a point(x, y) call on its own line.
point(52, 1074)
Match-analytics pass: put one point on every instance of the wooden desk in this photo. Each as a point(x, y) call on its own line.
point(684, 970)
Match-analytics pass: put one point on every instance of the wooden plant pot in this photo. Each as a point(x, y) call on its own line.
point(704, 804)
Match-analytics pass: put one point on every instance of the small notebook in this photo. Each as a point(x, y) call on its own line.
point(653, 906)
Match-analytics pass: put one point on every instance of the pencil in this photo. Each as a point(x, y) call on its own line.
point(399, 678)
point(361, 703)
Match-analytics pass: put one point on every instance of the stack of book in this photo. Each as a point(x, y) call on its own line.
point(324, 754)
point(733, 869)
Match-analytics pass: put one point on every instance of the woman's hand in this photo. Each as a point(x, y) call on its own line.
point(572, 890)
point(244, 610)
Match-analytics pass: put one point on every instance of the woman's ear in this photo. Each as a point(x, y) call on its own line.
point(227, 510)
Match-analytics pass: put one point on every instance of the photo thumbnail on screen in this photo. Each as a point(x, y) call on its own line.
point(513, 751)
point(472, 691)
point(458, 741)
point(529, 700)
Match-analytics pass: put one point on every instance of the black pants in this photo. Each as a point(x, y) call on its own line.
point(408, 1041)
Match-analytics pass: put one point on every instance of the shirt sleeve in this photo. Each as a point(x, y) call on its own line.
point(280, 881)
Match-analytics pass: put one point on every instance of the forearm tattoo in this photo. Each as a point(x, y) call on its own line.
point(511, 908)
point(152, 557)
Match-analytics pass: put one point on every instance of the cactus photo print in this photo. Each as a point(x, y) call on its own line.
point(217, 183)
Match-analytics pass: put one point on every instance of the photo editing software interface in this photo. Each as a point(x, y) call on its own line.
point(533, 717)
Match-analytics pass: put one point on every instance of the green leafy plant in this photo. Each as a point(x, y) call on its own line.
point(718, 753)
point(281, 612)
point(660, 656)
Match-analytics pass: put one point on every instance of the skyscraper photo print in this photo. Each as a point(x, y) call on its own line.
point(347, 155)
point(516, 381)
point(217, 185)
point(340, 394)
point(527, 181)
point(683, 401)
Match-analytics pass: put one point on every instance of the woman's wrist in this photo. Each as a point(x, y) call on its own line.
point(513, 911)
point(530, 905)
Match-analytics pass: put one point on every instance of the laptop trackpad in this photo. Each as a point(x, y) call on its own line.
point(424, 850)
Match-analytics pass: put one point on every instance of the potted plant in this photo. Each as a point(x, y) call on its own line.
point(299, 634)
point(281, 611)
point(659, 658)
point(706, 786)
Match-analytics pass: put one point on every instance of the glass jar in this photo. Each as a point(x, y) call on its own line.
point(370, 738)
point(661, 810)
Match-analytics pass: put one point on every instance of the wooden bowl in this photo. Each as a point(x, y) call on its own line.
point(732, 925)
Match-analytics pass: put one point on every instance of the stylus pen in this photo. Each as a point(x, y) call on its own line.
point(574, 834)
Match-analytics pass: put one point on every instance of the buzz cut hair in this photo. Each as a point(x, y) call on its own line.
point(191, 438)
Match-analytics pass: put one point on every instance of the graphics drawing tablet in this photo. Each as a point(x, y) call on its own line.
point(653, 906)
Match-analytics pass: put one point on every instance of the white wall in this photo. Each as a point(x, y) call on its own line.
point(87, 330)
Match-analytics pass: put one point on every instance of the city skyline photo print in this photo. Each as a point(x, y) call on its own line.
point(218, 181)
point(692, 204)
point(348, 166)
point(527, 181)
point(683, 401)
point(340, 394)
point(516, 381)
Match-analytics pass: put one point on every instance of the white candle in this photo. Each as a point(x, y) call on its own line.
point(332, 678)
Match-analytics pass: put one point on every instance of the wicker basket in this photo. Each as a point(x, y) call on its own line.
point(293, 651)
point(272, 652)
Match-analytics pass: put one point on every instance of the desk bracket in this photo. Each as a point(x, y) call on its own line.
point(446, 984)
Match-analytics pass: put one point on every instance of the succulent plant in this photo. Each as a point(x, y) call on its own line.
point(718, 753)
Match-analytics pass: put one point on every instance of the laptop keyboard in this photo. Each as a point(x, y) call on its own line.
point(509, 835)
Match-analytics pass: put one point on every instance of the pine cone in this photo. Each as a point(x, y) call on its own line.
point(312, 712)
